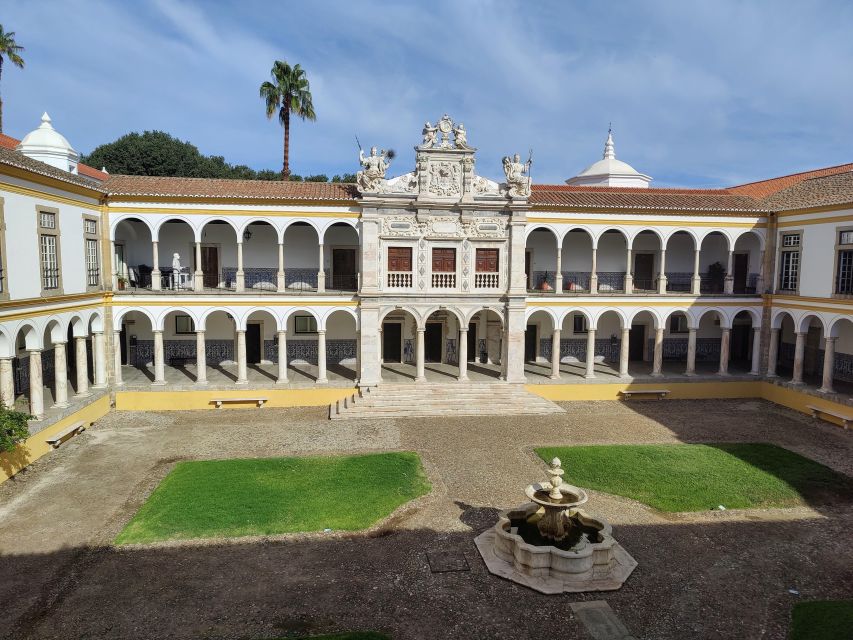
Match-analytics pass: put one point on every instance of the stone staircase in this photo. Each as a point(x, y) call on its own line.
point(441, 399)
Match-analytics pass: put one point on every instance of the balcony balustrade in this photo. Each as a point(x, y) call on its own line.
point(487, 280)
point(399, 279)
point(443, 280)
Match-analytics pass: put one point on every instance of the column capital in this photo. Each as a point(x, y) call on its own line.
point(32, 351)
point(321, 332)
point(199, 331)
point(463, 329)
point(831, 339)
point(241, 331)
point(57, 343)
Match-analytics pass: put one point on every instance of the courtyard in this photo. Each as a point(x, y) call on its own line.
point(703, 574)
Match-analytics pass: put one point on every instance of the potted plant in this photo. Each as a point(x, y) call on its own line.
point(543, 283)
point(716, 277)
point(122, 283)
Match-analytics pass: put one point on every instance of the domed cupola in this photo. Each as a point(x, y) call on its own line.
point(610, 172)
point(47, 145)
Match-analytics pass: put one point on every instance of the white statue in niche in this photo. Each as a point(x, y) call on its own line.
point(178, 280)
point(517, 183)
point(429, 133)
point(176, 262)
point(460, 137)
point(375, 165)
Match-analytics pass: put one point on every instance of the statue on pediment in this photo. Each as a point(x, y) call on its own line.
point(517, 183)
point(460, 137)
point(429, 134)
point(375, 165)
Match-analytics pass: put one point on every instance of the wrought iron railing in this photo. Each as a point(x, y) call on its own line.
point(679, 281)
point(645, 285)
point(344, 282)
point(611, 281)
point(576, 281)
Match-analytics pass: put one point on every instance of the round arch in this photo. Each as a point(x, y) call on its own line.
point(532, 311)
point(542, 227)
point(161, 319)
point(347, 310)
point(804, 322)
point(33, 338)
point(56, 331)
point(716, 232)
point(422, 320)
point(725, 321)
point(244, 318)
point(837, 323)
point(497, 311)
point(129, 217)
point(120, 315)
point(754, 232)
point(653, 231)
point(199, 230)
point(158, 227)
point(561, 318)
point(779, 317)
point(688, 232)
point(623, 320)
point(308, 221)
point(245, 224)
point(656, 319)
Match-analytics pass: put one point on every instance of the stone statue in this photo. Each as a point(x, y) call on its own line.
point(460, 137)
point(429, 133)
point(517, 184)
point(375, 165)
point(176, 262)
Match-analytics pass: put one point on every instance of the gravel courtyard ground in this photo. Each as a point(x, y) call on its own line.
point(705, 575)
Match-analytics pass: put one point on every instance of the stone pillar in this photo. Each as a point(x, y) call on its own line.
point(321, 274)
point(358, 355)
point(159, 359)
point(36, 385)
point(662, 273)
point(483, 334)
point(773, 353)
point(419, 356)
point(759, 284)
point(117, 374)
point(756, 352)
point(463, 354)
point(657, 354)
point(369, 374)
point(241, 275)
point(280, 285)
point(7, 383)
point(200, 357)
point(725, 339)
point(514, 342)
point(282, 358)
point(696, 289)
point(590, 353)
point(321, 357)
point(799, 353)
point(558, 277)
point(828, 365)
point(728, 284)
point(555, 354)
point(155, 272)
point(82, 366)
point(115, 273)
point(593, 273)
point(60, 375)
point(691, 352)
point(99, 352)
point(242, 377)
point(629, 274)
point(198, 275)
point(624, 352)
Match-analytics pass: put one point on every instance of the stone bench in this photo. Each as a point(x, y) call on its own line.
point(220, 401)
point(72, 430)
point(817, 412)
point(660, 393)
point(180, 361)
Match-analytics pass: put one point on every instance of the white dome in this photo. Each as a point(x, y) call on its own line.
point(610, 172)
point(47, 145)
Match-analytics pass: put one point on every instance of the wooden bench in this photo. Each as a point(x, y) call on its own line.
point(817, 412)
point(58, 438)
point(220, 401)
point(660, 393)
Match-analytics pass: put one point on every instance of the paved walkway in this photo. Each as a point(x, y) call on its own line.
point(62, 579)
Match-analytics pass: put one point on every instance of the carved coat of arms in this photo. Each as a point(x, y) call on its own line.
point(444, 178)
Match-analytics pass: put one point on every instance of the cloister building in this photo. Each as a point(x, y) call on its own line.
point(115, 284)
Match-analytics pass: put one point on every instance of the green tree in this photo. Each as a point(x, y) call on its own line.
point(11, 50)
point(288, 93)
point(346, 177)
point(13, 428)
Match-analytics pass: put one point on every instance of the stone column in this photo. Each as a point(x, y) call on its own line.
point(756, 352)
point(242, 377)
point(321, 274)
point(759, 283)
point(555, 354)
point(773, 353)
point(280, 285)
point(514, 349)
point(241, 275)
point(159, 359)
point(463, 354)
point(155, 272)
point(624, 352)
point(799, 353)
point(82, 366)
point(100, 361)
point(728, 284)
point(662, 273)
point(117, 373)
point(558, 277)
point(200, 357)
point(282, 358)
point(691, 352)
point(358, 355)
point(629, 274)
point(657, 354)
point(419, 356)
point(115, 273)
point(590, 353)
point(593, 274)
point(321, 357)
point(696, 289)
point(828, 365)
point(7, 383)
point(60, 375)
point(725, 339)
point(198, 276)
point(483, 334)
point(36, 385)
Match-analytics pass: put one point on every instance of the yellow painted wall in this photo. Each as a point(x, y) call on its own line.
point(189, 400)
point(678, 390)
point(798, 401)
point(36, 446)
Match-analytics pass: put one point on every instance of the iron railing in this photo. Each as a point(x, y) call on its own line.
point(611, 281)
point(679, 281)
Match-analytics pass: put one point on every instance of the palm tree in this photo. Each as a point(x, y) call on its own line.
point(10, 49)
point(288, 92)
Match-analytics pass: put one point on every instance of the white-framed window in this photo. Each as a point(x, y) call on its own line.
point(93, 268)
point(789, 262)
point(90, 226)
point(305, 324)
point(49, 262)
point(579, 324)
point(844, 263)
point(678, 324)
point(183, 325)
point(47, 220)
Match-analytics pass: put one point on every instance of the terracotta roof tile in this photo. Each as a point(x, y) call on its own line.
point(8, 142)
point(765, 188)
point(823, 191)
point(653, 198)
point(19, 160)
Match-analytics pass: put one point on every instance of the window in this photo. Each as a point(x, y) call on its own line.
point(789, 262)
point(92, 252)
point(487, 261)
point(443, 260)
point(678, 324)
point(305, 324)
point(90, 226)
point(580, 325)
point(400, 259)
point(48, 221)
point(184, 325)
point(844, 264)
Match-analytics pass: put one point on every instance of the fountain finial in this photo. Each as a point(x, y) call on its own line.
point(555, 471)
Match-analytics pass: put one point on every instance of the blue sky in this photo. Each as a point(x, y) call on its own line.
point(699, 93)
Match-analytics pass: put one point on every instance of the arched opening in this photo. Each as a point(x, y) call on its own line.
point(641, 342)
point(260, 259)
point(340, 257)
point(301, 257)
point(303, 341)
point(398, 332)
point(784, 344)
point(132, 255)
point(611, 261)
point(180, 346)
point(341, 345)
point(801, 349)
point(440, 345)
point(680, 254)
point(713, 263)
point(838, 358)
point(539, 337)
point(576, 262)
point(676, 342)
point(175, 254)
point(608, 343)
point(710, 335)
point(137, 347)
point(485, 344)
point(645, 251)
point(27, 372)
point(216, 260)
point(574, 338)
point(541, 261)
point(746, 265)
point(745, 339)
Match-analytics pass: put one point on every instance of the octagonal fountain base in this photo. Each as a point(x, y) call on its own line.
point(595, 563)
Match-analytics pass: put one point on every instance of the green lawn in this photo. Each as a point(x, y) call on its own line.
point(696, 477)
point(230, 498)
point(822, 620)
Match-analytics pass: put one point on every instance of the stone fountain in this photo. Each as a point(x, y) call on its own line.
point(552, 546)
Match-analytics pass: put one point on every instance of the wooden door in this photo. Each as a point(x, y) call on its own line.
point(443, 260)
point(741, 272)
point(530, 343)
point(527, 259)
point(253, 343)
point(343, 269)
point(644, 271)
point(636, 342)
point(210, 266)
point(400, 259)
point(432, 346)
point(392, 338)
point(487, 261)
point(473, 356)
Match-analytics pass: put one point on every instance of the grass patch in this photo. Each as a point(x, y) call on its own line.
point(231, 498)
point(696, 477)
point(822, 620)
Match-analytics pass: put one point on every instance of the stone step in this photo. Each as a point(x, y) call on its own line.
point(372, 412)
